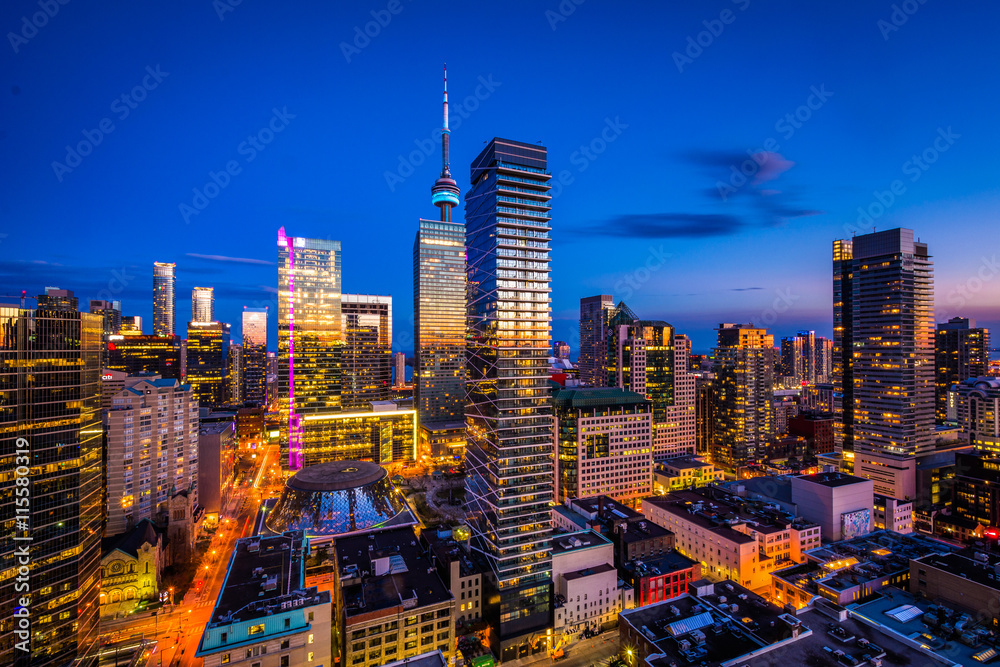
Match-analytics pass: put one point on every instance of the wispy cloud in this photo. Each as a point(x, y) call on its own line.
point(233, 260)
point(667, 225)
point(745, 289)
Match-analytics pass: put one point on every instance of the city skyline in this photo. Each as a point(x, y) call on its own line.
point(799, 196)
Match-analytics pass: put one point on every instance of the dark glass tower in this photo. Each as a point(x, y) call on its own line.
point(509, 450)
point(255, 355)
point(367, 351)
point(50, 434)
point(164, 298)
point(594, 313)
point(208, 362)
point(843, 350)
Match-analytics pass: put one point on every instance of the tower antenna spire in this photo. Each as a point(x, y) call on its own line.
point(445, 192)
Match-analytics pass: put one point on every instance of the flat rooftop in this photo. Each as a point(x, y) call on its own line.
point(833, 479)
point(262, 572)
point(637, 531)
point(966, 564)
point(447, 550)
point(385, 570)
point(684, 463)
point(589, 571)
point(583, 539)
point(603, 507)
point(656, 566)
point(214, 428)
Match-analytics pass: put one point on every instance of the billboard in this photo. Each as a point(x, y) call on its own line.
point(855, 524)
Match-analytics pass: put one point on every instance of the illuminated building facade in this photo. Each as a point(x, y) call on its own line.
point(255, 355)
point(509, 452)
point(961, 351)
point(386, 435)
point(439, 293)
point(56, 299)
point(366, 367)
point(744, 391)
point(310, 336)
point(144, 468)
point(164, 298)
point(134, 354)
point(594, 314)
point(234, 374)
point(203, 304)
point(893, 342)
point(604, 440)
point(50, 434)
point(974, 404)
point(111, 311)
point(131, 325)
point(649, 358)
point(208, 362)
point(399, 369)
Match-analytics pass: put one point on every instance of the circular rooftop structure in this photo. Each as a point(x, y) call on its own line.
point(339, 498)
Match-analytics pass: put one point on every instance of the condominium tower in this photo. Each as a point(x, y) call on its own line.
point(203, 304)
point(961, 351)
point(893, 343)
point(366, 367)
point(509, 449)
point(255, 355)
point(594, 313)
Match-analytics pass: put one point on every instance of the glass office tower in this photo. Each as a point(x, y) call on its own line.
point(310, 335)
point(961, 351)
point(255, 355)
point(843, 351)
point(145, 354)
point(164, 298)
point(594, 314)
point(208, 362)
point(50, 434)
point(366, 366)
point(509, 449)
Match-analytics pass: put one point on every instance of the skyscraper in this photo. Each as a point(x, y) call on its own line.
point(509, 450)
point(208, 362)
point(56, 299)
point(398, 369)
point(164, 298)
point(203, 304)
point(594, 313)
point(234, 375)
point(255, 355)
point(648, 357)
point(50, 435)
point(843, 350)
point(744, 390)
point(310, 335)
point(961, 351)
point(798, 358)
point(439, 290)
point(134, 354)
point(893, 343)
point(111, 312)
point(366, 367)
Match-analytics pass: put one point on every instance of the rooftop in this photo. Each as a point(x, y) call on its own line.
point(432, 659)
point(336, 476)
point(447, 550)
point(603, 507)
point(214, 428)
point(718, 507)
point(385, 570)
point(263, 573)
point(656, 566)
point(833, 479)
point(637, 531)
point(588, 571)
point(982, 568)
point(590, 397)
point(685, 463)
point(583, 539)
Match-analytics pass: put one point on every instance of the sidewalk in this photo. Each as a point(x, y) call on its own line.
point(581, 653)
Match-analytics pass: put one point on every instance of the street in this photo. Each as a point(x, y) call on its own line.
point(179, 631)
point(581, 653)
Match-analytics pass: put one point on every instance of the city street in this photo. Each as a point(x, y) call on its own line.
point(581, 653)
point(179, 631)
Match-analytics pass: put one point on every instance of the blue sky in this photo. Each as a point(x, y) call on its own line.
point(647, 111)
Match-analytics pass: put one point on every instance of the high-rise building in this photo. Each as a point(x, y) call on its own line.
point(800, 359)
point(310, 336)
point(592, 362)
point(131, 325)
point(824, 360)
point(164, 298)
point(604, 437)
point(234, 375)
point(134, 354)
point(509, 452)
point(650, 358)
point(203, 304)
point(366, 370)
point(111, 312)
point(208, 362)
point(961, 351)
point(50, 436)
point(255, 355)
point(56, 299)
point(144, 469)
point(561, 350)
point(398, 369)
point(744, 391)
point(893, 343)
point(704, 414)
point(439, 291)
point(843, 350)
point(974, 404)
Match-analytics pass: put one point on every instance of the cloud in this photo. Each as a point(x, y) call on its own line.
point(744, 289)
point(234, 260)
point(668, 225)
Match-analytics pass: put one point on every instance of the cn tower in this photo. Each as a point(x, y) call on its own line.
point(445, 192)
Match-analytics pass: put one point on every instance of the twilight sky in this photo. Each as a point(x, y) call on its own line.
point(649, 113)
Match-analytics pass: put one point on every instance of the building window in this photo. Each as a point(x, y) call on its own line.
point(225, 658)
point(284, 661)
point(256, 629)
point(284, 643)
